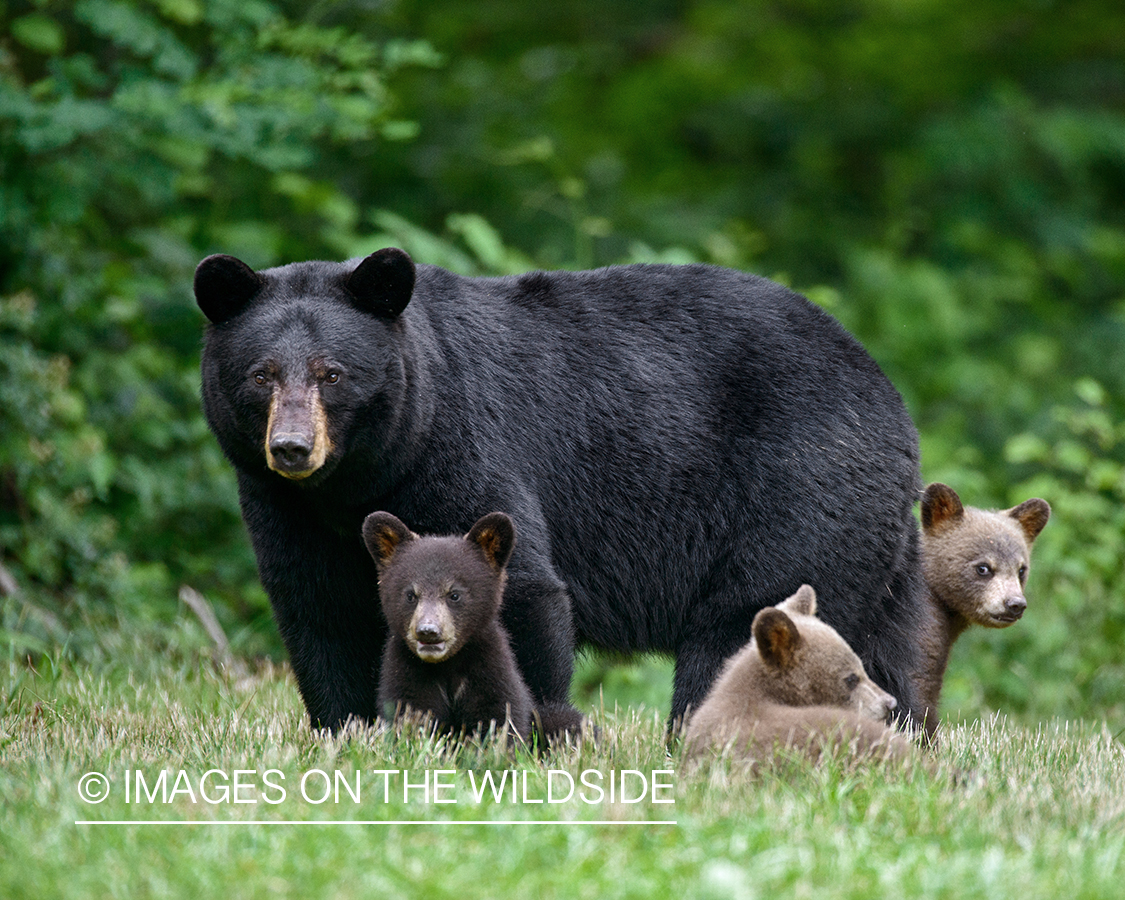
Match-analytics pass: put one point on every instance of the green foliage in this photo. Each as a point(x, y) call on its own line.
point(603, 681)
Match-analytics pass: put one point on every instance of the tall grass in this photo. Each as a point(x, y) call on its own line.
point(1004, 811)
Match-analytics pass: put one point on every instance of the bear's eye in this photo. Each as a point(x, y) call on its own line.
point(333, 377)
point(851, 681)
point(454, 596)
point(412, 596)
point(1023, 572)
point(259, 377)
point(984, 570)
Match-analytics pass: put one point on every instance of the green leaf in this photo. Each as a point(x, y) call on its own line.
point(39, 33)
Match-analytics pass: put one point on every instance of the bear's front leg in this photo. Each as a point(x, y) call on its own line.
point(536, 614)
point(335, 669)
point(322, 586)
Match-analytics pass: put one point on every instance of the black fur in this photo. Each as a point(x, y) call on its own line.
point(679, 446)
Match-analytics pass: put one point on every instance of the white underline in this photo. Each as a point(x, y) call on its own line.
point(373, 822)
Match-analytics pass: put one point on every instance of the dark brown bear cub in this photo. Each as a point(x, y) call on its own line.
point(447, 653)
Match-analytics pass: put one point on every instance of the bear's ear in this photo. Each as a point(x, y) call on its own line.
point(1032, 515)
point(223, 286)
point(496, 536)
point(776, 636)
point(383, 534)
point(802, 603)
point(940, 507)
point(383, 282)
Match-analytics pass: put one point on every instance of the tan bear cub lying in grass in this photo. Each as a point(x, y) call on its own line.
point(798, 685)
point(975, 563)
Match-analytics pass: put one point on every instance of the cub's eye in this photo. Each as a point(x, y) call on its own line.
point(333, 377)
point(454, 596)
point(412, 596)
point(1023, 572)
point(851, 681)
point(984, 570)
point(259, 377)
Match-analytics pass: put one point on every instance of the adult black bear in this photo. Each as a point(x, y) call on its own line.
point(679, 446)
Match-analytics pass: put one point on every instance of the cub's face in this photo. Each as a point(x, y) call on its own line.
point(437, 592)
point(807, 663)
point(981, 572)
point(976, 560)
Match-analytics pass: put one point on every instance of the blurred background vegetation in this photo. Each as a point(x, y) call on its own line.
point(947, 177)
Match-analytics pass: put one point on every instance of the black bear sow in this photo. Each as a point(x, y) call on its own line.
point(678, 446)
point(447, 653)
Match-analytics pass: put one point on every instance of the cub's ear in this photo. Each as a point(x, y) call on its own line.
point(223, 286)
point(383, 282)
point(940, 507)
point(383, 534)
point(777, 637)
point(802, 603)
point(496, 536)
point(1032, 515)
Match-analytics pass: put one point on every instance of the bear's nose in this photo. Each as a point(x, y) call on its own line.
point(1015, 606)
point(291, 450)
point(428, 632)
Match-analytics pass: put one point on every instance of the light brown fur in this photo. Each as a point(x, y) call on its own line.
point(975, 563)
point(298, 411)
point(796, 685)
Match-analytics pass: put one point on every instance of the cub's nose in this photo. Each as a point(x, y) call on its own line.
point(428, 632)
point(1015, 606)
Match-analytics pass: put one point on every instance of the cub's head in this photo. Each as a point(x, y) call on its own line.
point(437, 592)
point(805, 662)
point(976, 560)
point(299, 357)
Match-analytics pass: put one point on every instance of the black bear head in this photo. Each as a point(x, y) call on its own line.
point(438, 592)
point(300, 357)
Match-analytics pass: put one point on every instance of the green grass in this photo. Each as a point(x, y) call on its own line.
point(1007, 811)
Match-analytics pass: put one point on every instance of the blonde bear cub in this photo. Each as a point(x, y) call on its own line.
point(796, 685)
